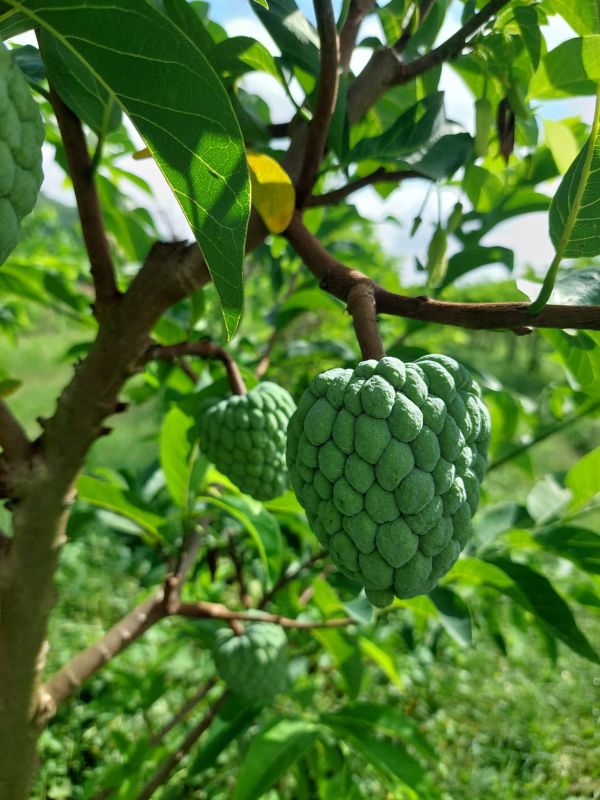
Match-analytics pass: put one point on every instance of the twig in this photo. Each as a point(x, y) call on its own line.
point(288, 577)
point(168, 765)
point(379, 176)
point(185, 709)
point(88, 205)
point(386, 69)
point(338, 279)
point(328, 85)
point(205, 610)
point(13, 439)
point(361, 305)
point(172, 352)
point(356, 13)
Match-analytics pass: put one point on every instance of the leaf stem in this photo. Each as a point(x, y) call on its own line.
point(550, 279)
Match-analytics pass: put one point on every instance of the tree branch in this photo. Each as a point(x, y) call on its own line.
point(88, 205)
point(338, 279)
point(380, 175)
point(13, 439)
point(203, 610)
point(204, 349)
point(357, 11)
point(328, 85)
point(288, 577)
point(82, 666)
point(168, 765)
point(361, 305)
point(386, 69)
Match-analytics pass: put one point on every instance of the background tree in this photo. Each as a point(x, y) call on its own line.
point(148, 324)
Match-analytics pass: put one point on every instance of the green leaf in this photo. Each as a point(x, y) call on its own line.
point(575, 211)
point(562, 144)
point(387, 757)
point(295, 36)
point(413, 130)
point(548, 606)
point(182, 111)
point(262, 527)
point(454, 614)
point(384, 661)
point(444, 157)
point(546, 499)
point(230, 723)
point(527, 20)
point(578, 288)
point(562, 73)
point(111, 497)
point(179, 454)
point(583, 16)
point(272, 752)
point(580, 352)
point(583, 479)
point(78, 87)
point(241, 54)
point(345, 653)
point(590, 55)
point(384, 719)
point(483, 188)
point(579, 545)
point(474, 257)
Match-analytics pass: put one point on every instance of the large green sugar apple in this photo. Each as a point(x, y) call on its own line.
point(254, 663)
point(244, 436)
point(387, 460)
point(21, 137)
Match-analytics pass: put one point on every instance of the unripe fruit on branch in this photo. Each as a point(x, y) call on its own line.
point(254, 663)
point(21, 137)
point(244, 436)
point(387, 460)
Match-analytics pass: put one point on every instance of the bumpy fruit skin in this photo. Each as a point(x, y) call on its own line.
point(253, 664)
point(21, 137)
point(387, 460)
point(244, 436)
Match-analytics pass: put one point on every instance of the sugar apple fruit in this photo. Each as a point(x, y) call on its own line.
point(387, 460)
point(244, 436)
point(254, 664)
point(21, 137)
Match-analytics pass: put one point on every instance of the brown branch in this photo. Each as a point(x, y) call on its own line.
point(386, 69)
point(338, 279)
point(88, 205)
point(13, 439)
point(288, 577)
point(82, 666)
point(182, 713)
point(164, 769)
point(209, 350)
point(356, 13)
point(380, 175)
point(203, 610)
point(361, 305)
point(318, 127)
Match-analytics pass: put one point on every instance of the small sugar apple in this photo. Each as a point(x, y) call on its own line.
point(21, 137)
point(244, 436)
point(253, 664)
point(387, 460)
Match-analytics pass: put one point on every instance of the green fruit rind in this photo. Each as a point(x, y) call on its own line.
point(253, 664)
point(387, 460)
point(21, 138)
point(244, 436)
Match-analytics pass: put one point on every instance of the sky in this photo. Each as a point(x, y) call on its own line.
point(528, 235)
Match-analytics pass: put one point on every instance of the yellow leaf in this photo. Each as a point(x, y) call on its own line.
point(140, 154)
point(273, 194)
